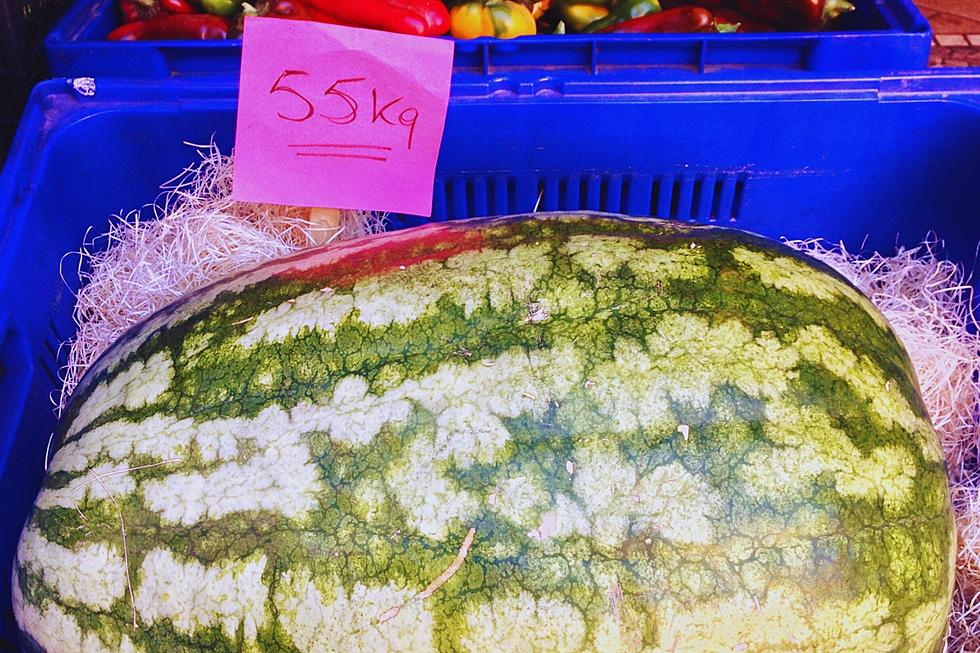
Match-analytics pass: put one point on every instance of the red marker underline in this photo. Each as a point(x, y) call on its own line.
point(340, 155)
point(343, 145)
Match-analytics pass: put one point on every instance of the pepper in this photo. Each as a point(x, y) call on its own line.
point(130, 11)
point(707, 4)
point(539, 8)
point(133, 10)
point(177, 7)
point(580, 14)
point(685, 20)
point(794, 14)
point(734, 21)
point(624, 10)
point(226, 8)
point(296, 10)
point(417, 17)
point(503, 19)
point(173, 26)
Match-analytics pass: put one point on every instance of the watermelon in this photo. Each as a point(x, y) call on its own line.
point(556, 433)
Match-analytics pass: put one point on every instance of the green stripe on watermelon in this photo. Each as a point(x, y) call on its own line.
point(611, 433)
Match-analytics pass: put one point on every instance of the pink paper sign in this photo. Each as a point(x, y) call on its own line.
point(339, 117)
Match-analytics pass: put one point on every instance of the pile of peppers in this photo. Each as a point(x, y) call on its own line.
point(690, 16)
point(466, 19)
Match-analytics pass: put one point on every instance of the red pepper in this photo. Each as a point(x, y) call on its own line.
point(287, 9)
point(318, 16)
point(707, 4)
point(295, 9)
point(177, 7)
point(173, 26)
point(418, 17)
point(795, 14)
point(726, 16)
point(686, 19)
point(134, 10)
point(130, 11)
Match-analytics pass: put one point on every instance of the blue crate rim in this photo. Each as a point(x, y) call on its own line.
point(56, 36)
point(955, 85)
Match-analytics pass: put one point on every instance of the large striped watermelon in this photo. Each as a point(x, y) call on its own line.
point(554, 434)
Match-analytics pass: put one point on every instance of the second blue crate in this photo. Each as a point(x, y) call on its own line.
point(881, 35)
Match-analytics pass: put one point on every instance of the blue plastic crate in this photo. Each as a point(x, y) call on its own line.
point(882, 35)
point(879, 161)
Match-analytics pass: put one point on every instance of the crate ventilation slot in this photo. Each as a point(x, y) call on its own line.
point(53, 356)
point(701, 197)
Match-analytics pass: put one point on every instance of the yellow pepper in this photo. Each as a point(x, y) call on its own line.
point(504, 19)
point(579, 15)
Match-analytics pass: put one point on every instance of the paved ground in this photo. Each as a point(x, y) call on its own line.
point(956, 24)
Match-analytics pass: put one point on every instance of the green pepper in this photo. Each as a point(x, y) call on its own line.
point(221, 7)
point(624, 10)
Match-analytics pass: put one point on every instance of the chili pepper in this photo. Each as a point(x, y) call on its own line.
point(686, 20)
point(739, 21)
point(173, 26)
point(177, 7)
point(624, 10)
point(794, 14)
point(504, 19)
point(225, 8)
point(418, 17)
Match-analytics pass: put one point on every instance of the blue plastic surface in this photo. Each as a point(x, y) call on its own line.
point(879, 161)
point(881, 35)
